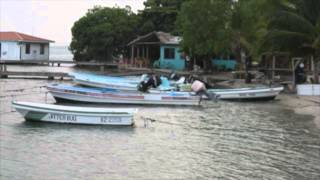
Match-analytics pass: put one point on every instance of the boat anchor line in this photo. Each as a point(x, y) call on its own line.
point(23, 89)
point(148, 120)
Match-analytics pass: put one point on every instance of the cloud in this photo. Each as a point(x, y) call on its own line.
point(51, 19)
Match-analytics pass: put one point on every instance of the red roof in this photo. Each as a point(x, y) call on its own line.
point(16, 36)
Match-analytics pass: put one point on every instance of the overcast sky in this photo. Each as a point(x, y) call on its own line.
point(51, 19)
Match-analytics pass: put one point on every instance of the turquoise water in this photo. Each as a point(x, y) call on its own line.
point(223, 140)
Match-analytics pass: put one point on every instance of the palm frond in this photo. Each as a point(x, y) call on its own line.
point(286, 40)
point(290, 21)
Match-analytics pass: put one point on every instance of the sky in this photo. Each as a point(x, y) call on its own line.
point(52, 19)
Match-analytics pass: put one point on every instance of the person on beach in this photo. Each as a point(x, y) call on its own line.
point(299, 74)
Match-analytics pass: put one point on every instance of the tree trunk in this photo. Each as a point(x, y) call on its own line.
point(205, 65)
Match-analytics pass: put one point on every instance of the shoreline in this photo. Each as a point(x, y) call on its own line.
point(305, 105)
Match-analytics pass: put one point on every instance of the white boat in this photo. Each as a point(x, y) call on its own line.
point(74, 115)
point(257, 93)
point(63, 92)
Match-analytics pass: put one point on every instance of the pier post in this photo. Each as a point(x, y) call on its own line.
point(102, 68)
point(3, 68)
point(273, 67)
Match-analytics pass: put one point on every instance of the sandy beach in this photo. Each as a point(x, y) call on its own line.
point(307, 105)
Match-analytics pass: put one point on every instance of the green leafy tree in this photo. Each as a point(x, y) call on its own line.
point(159, 15)
point(205, 27)
point(102, 33)
point(248, 27)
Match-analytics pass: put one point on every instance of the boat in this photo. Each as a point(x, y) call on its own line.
point(129, 83)
point(93, 80)
point(63, 92)
point(255, 93)
point(74, 115)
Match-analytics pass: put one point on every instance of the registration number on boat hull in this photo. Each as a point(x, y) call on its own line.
point(110, 119)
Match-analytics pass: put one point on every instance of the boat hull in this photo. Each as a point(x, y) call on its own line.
point(89, 95)
point(119, 86)
point(247, 94)
point(35, 112)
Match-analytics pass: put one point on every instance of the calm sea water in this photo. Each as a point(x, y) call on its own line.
point(223, 140)
point(60, 53)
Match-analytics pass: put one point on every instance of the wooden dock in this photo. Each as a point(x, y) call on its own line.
point(59, 62)
point(24, 74)
point(101, 65)
point(30, 75)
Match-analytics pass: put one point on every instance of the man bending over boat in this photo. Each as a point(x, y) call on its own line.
point(199, 87)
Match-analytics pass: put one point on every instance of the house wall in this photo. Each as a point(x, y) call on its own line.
point(34, 52)
point(176, 63)
point(10, 50)
point(224, 64)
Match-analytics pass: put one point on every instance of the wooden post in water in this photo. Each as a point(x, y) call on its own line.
point(273, 67)
point(3, 68)
point(102, 68)
point(132, 54)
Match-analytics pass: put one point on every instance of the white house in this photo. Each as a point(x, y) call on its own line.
point(16, 46)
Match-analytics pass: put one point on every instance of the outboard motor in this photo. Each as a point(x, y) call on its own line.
point(153, 81)
point(173, 76)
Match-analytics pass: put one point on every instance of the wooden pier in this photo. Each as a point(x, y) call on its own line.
point(102, 65)
point(27, 74)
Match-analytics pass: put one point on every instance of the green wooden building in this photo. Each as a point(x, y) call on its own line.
point(157, 49)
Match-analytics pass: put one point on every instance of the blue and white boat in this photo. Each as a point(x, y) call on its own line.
point(128, 83)
point(62, 92)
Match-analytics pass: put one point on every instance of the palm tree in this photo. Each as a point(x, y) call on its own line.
point(295, 28)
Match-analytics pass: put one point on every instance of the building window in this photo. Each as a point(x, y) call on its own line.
point(41, 48)
point(169, 53)
point(27, 48)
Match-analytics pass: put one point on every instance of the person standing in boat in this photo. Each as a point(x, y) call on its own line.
point(153, 82)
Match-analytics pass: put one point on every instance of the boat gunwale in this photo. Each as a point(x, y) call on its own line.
point(185, 102)
point(262, 90)
point(117, 91)
point(42, 109)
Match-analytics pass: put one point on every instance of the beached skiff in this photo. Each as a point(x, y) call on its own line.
point(126, 83)
point(75, 115)
point(258, 93)
point(99, 95)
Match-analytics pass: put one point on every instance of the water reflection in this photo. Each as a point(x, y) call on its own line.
point(223, 140)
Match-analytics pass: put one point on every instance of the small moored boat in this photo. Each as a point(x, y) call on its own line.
point(119, 83)
point(74, 115)
point(62, 92)
point(257, 93)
